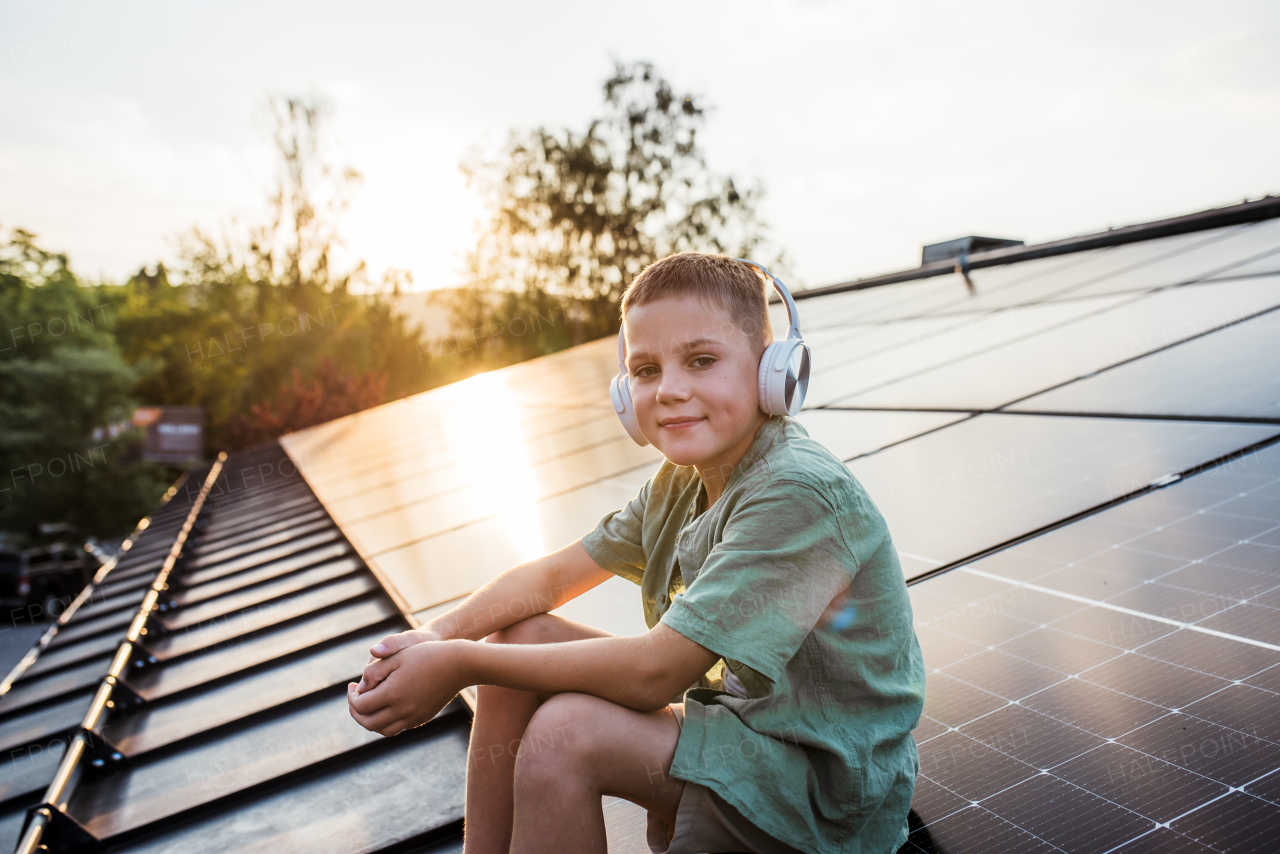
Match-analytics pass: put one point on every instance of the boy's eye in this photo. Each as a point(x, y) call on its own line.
point(645, 371)
point(704, 361)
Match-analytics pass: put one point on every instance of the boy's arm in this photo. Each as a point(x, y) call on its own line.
point(532, 588)
point(641, 673)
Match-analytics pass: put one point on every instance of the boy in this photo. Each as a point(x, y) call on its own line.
point(769, 583)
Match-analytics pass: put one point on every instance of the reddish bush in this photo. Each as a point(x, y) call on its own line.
point(326, 395)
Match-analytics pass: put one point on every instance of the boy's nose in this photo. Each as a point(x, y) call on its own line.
point(672, 390)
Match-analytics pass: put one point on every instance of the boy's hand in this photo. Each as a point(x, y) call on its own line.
point(410, 687)
point(392, 644)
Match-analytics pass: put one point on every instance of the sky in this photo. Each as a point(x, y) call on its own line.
point(873, 127)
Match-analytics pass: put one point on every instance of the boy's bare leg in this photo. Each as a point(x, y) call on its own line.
point(579, 747)
point(501, 716)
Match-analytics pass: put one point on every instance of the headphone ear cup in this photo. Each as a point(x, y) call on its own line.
point(798, 384)
point(762, 378)
point(620, 395)
point(782, 390)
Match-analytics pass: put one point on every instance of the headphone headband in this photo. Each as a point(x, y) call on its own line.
point(793, 316)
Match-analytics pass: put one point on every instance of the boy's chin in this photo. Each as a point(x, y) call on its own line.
point(684, 453)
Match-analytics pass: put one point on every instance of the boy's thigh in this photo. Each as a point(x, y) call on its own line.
point(620, 751)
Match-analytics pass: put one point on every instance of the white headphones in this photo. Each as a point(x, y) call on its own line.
point(782, 380)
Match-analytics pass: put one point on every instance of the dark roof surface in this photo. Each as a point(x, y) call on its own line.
point(1076, 462)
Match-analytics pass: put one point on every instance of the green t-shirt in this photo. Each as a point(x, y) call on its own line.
point(792, 578)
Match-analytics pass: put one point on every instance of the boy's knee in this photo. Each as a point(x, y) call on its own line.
point(556, 739)
point(535, 629)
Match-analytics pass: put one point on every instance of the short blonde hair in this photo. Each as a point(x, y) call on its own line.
point(738, 288)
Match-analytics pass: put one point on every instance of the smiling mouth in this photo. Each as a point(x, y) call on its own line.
point(678, 423)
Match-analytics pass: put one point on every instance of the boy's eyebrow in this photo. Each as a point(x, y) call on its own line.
point(683, 347)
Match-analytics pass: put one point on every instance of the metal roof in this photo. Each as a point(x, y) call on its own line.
point(1077, 462)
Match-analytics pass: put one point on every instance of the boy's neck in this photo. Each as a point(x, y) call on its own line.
point(715, 472)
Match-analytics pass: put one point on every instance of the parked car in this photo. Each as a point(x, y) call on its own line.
point(47, 574)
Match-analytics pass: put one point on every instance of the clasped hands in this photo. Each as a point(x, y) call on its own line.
point(410, 677)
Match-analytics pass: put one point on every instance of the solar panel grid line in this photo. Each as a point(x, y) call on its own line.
point(1270, 255)
point(1195, 263)
point(1259, 210)
point(57, 794)
point(1086, 513)
point(1201, 378)
point(1164, 802)
point(375, 552)
point(924, 430)
point(1044, 267)
point(981, 334)
point(413, 463)
point(446, 474)
point(1177, 246)
point(1122, 610)
point(1265, 312)
point(997, 747)
point(1010, 367)
point(442, 488)
point(1113, 263)
point(1264, 265)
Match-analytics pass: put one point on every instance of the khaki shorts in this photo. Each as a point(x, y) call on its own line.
point(707, 824)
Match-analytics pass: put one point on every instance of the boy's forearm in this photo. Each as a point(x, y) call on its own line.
point(529, 589)
point(516, 594)
point(624, 670)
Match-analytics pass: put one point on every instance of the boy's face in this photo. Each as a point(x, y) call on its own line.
point(693, 381)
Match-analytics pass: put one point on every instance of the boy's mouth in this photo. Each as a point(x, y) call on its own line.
point(679, 422)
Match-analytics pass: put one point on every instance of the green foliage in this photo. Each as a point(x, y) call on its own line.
point(232, 326)
point(62, 377)
point(262, 330)
point(576, 215)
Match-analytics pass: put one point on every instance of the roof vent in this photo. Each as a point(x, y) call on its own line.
point(963, 246)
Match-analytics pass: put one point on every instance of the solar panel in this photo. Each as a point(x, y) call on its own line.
point(1184, 259)
point(1122, 667)
point(1231, 373)
point(1120, 269)
point(1006, 370)
point(933, 350)
point(957, 491)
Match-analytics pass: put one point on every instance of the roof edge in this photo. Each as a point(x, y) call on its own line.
point(1267, 207)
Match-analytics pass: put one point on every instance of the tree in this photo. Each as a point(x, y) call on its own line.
point(576, 215)
point(247, 310)
point(62, 378)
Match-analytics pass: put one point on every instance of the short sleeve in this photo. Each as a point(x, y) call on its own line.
point(616, 544)
point(781, 560)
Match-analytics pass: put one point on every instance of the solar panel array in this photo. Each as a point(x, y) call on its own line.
point(1075, 461)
